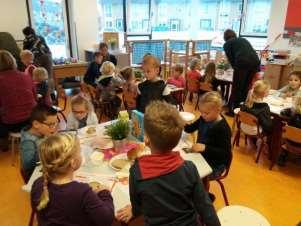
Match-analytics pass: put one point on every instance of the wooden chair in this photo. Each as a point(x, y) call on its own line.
point(193, 87)
point(204, 88)
point(292, 136)
point(250, 120)
point(179, 96)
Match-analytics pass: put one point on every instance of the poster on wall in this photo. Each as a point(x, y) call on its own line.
point(293, 23)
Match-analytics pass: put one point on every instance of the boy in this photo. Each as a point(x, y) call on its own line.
point(164, 188)
point(43, 122)
point(214, 134)
point(93, 70)
point(153, 88)
point(27, 59)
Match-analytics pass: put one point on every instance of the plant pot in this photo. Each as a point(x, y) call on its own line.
point(220, 71)
point(119, 144)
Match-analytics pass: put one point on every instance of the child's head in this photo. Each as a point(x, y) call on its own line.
point(60, 155)
point(80, 107)
point(40, 74)
point(163, 126)
point(26, 57)
point(178, 70)
point(195, 64)
point(259, 91)
point(211, 106)
point(7, 61)
point(294, 80)
point(151, 67)
point(127, 73)
point(107, 68)
point(297, 104)
point(43, 120)
point(98, 57)
point(210, 71)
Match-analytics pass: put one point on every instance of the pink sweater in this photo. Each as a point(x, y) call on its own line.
point(178, 82)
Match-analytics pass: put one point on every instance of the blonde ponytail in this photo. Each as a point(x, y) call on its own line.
point(260, 88)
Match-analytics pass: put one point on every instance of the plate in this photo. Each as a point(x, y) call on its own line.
point(117, 157)
point(187, 116)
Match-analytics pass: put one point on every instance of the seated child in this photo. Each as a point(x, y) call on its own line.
point(81, 114)
point(214, 133)
point(43, 122)
point(93, 71)
point(293, 116)
point(177, 79)
point(164, 188)
point(255, 106)
point(40, 77)
point(153, 88)
point(27, 59)
point(107, 85)
point(57, 198)
point(293, 86)
point(129, 88)
point(195, 67)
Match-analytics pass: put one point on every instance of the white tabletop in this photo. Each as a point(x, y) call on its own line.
point(173, 88)
point(120, 191)
point(277, 104)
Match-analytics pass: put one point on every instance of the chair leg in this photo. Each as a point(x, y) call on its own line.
point(236, 139)
point(224, 192)
point(246, 139)
point(31, 219)
point(259, 151)
point(13, 153)
point(197, 102)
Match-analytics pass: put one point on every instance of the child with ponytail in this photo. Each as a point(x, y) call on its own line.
point(56, 198)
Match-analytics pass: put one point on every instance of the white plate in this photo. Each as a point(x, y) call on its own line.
point(187, 116)
point(83, 131)
point(120, 156)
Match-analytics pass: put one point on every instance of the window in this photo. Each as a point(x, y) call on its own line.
point(49, 20)
point(138, 16)
point(205, 24)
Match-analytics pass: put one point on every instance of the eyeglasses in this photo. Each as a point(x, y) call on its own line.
point(51, 125)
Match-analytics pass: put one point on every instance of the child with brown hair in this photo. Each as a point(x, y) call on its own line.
point(293, 86)
point(82, 113)
point(153, 88)
point(40, 77)
point(57, 198)
point(195, 67)
point(129, 88)
point(177, 79)
point(164, 188)
point(27, 58)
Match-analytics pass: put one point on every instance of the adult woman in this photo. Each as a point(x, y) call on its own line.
point(17, 97)
point(245, 62)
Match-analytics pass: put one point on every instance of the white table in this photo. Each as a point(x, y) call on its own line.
point(120, 192)
point(173, 88)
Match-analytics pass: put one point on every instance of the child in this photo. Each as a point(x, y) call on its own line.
point(56, 198)
point(107, 85)
point(293, 87)
point(214, 134)
point(164, 188)
point(255, 106)
point(129, 88)
point(43, 122)
point(177, 79)
point(153, 88)
point(40, 77)
point(195, 67)
point(82, 113)
point(93, 71)
point(27, 59)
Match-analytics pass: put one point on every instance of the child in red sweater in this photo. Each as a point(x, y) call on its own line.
point(195, 67)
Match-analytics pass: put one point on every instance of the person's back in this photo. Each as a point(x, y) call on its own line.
point(17, 96)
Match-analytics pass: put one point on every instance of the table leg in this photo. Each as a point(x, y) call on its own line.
point(275, 140)
point(227, 92)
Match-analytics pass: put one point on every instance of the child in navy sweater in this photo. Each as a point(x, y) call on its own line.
point(93, 71)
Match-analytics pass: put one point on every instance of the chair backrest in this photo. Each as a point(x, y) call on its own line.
point(247, 118)
point(129, 99)
point(292, 133)
point(226, 171)
point(205, 86)
point(193, 85)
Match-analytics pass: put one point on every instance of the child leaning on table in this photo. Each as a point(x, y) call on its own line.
point(214, 133)
point(164, 188)
point(293, 87)
point(43, 122)
point(57, 198)
point(82, 113)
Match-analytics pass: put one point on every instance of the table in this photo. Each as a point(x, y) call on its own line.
point(120, 192)
point(68, 70)
point(225, 79)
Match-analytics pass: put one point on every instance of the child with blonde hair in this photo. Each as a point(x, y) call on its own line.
point(40, 77)
point(129, 88)
point(27, 58)
point(155, 191)
point(177, 79)
point(57, 198)
point(82, 113)
point(195, 67)
point(293, 88)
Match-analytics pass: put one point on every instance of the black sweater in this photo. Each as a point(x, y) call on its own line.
point(294, 119)
point(218, 142)
point(92, 73)
point(262, 112)
point(173, 199)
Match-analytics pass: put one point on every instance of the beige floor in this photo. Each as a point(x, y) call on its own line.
point(276, 194)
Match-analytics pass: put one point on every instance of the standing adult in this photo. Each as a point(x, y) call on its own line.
point(104, 51)
point(245, 62)
point(17, 97)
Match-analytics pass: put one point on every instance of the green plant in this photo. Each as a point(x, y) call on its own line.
point(118, 130)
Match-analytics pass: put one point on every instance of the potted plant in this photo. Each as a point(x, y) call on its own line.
point(118, 131)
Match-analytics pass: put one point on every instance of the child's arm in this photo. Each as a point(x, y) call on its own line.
point(135, 201)
point(190, 128)
point(202, 202)
point(29, 156)
point(265, 119)
point(71, 122)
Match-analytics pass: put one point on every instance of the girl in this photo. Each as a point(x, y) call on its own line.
point(56, 198)
point(129, 88)
point(27, 59)
point(195, 67)
point(82, 113)
point(293, 87)
point(40, 77)
point(177, 79)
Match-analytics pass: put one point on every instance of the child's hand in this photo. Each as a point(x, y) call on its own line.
point(198, 147)
point(289, 94)
point(125, 214)
point(98, 187)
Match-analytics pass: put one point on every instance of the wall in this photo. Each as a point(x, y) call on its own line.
point(13, 17)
